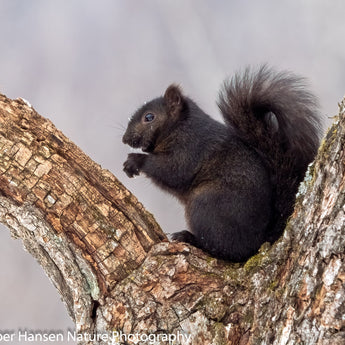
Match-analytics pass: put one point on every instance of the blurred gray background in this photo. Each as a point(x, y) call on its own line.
point(87, 65)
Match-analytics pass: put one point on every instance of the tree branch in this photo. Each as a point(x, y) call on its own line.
point(84, 228)
point(115, 270)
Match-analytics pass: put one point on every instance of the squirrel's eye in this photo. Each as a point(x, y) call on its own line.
point(149, 117)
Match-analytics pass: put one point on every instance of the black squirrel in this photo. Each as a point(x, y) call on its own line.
point(237, 180)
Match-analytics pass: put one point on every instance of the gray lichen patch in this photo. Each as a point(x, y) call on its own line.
point(56, 255)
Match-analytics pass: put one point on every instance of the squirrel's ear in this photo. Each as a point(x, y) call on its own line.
point(174, 99)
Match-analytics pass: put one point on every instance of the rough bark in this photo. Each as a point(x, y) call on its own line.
point(115, 270)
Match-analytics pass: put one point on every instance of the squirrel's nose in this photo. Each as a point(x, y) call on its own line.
point(125, 138)
point(131, 140)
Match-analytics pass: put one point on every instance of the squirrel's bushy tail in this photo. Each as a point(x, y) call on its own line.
point(279, 118)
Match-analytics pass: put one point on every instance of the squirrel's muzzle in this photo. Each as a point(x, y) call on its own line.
point(131, 140)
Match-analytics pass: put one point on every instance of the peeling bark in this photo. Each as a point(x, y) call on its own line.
point(115, 270)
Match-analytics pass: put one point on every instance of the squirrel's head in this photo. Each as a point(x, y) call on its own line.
point(153, 122)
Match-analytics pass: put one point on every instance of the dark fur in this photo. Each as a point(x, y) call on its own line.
point(237, 181)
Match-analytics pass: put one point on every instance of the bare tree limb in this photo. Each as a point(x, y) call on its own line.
point(115, 271)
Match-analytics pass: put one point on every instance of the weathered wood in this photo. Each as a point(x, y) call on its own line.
point(115, 271)
point(85, 229)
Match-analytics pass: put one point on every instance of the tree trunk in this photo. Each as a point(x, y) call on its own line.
point(123, 282)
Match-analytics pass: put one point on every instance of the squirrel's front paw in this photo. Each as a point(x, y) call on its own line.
point(133, 164)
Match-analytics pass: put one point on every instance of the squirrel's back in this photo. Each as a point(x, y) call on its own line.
point(275, 114)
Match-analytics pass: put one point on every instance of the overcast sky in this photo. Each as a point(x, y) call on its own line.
point(87, 65)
